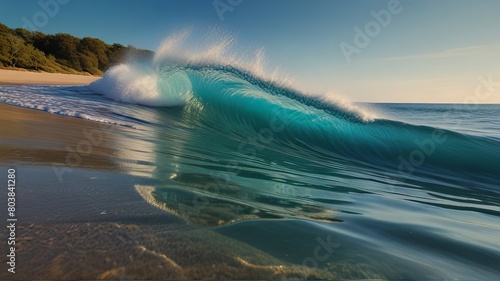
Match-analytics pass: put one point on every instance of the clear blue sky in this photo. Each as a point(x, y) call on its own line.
point(430, 51)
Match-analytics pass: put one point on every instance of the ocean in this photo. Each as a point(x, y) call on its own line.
point(360, 190)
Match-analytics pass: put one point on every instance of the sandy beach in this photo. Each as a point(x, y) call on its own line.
point(14, 77)
point(92, 223)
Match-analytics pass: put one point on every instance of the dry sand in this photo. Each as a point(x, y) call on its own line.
point(14, 77)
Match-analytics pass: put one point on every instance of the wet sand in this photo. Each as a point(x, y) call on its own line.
point(15, 77)
point(91, 223)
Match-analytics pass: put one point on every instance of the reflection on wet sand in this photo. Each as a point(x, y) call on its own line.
point(40, 138)
point(65, 143)
point(94, 225)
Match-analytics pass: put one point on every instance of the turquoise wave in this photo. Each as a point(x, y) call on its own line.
point(223, 144)
point(239, 104)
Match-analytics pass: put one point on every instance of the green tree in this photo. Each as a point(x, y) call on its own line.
point(4, 29)
point(61, 52)
point(32, 58)
point(24, 34)
point(89, 62)
point(98, 49)
point(115, 53)
point(11, 48)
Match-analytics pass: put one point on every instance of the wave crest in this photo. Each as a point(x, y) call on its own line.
point(177, 73)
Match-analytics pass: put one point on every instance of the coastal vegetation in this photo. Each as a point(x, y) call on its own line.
point(61, 53)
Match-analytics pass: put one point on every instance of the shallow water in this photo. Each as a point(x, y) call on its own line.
point(411, 193)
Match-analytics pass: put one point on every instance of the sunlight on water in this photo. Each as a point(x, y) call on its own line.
point(410, 196)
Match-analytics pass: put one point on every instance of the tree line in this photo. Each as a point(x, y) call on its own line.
point(61, 53)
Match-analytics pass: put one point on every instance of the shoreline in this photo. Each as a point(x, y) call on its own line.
point(91, 223)
point(19, 77)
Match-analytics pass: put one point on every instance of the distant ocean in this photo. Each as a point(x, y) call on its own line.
point(393, 190)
